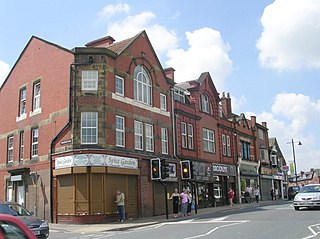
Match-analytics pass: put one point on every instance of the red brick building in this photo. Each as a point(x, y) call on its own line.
point(205, 137)
point(33, 106)
point(105, 110)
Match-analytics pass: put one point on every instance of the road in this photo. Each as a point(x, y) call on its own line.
point(274, 221)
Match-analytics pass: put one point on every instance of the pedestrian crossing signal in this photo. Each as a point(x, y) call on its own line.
point(185, 169)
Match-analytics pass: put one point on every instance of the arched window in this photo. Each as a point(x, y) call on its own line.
point(205, 103)
point(142, 85)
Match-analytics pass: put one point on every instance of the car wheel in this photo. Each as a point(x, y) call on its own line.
point(296, 208)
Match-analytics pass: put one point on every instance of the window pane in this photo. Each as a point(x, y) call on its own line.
point(89, 80)
point(89, 128)
point(119, 85)
point(138, 135)
point(142, 84)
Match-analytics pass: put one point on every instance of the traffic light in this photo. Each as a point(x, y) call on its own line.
point(185, 169)
point(165, 169)
point(155, 169)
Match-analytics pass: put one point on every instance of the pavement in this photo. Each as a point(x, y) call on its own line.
point(147, 221)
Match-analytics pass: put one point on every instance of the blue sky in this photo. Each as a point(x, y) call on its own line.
point(265, 53)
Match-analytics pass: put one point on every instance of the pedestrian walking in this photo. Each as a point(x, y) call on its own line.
point(231, 197)
point(256, 193)
point(272, 193)
point(175, 197)
point(189, 202)
point(249, 193)
point(276, 194)
point(120, 205)
point(184, 202)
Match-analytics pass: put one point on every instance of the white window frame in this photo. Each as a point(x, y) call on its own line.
point(224, 145)
point(36, 96)
point(208, 140)
point(190, 136)
point(142, 85)
point(120, 131)
point(205, 103)
point(34, 142)
point(138, 135)
point(119, 84)
point(149, 137)
point(164, 141)
point(89, 124)
point(163, 102)
point(21, 146)
point(89, 80)
point(184, 135)
point(179, 95)
point(23, 102)
point(228, 146)
point(10, 142)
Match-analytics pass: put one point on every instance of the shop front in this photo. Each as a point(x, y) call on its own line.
point(248, 176)
point(266, 182)
point(202, 184)
point(225, 178)
point(85, 187)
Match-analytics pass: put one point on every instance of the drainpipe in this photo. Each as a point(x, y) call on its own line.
point(67, 125)
point(173, 125)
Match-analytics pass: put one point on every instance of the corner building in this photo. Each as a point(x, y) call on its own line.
point(105, 111)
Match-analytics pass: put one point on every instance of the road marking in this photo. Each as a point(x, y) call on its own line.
point(216, 228)
point(314, 233)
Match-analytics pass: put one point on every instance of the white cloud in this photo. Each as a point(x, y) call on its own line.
point(161, 38)
point(291, 35)
point(236, 103)
point(112, 9)
point(4, 71)
point(294, 116)
point(207, 52)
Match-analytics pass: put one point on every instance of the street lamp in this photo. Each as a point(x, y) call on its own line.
point(294, 158)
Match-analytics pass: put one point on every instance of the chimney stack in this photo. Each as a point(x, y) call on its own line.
point(226, 105)
point(169, 73)
point(101, 42)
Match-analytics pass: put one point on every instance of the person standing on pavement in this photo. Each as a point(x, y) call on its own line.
point(175, 197)
point(120, 205)
point(184, 202)
point(231, 197)
point(256, 193)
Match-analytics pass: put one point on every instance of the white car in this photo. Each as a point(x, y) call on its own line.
point(308, 196)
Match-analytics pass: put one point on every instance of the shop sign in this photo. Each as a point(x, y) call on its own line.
point(266, 171)
point(248, 169)
point(64, 162)
point(223, 169)
point(121, 162)
point(81, 160)
point(278, 176)
point(202, 171)
point(95, 160)
point(16, 178)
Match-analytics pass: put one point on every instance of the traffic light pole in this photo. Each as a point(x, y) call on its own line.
point(194, 192)
point(165, 198)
